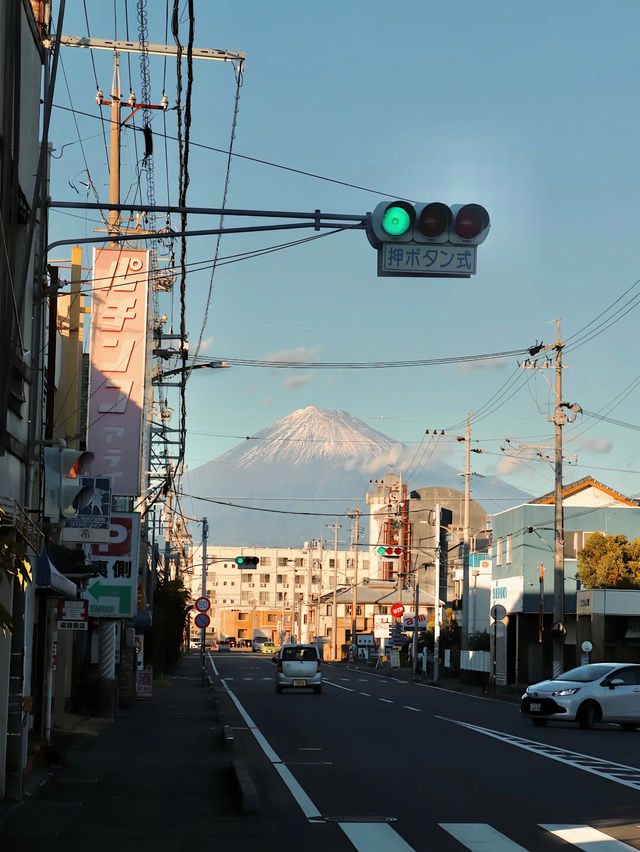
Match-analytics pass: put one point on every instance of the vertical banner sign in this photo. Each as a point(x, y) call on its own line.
point(118, 343)
point(113, 594)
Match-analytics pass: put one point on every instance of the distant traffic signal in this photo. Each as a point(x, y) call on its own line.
point(389, 551)
point(431, 236)
point(247, 561)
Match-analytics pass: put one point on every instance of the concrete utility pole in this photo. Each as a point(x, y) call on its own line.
point(203, 591)
point(436, 595)
point(334, 610)
point(354, 604)
point(464, 639)
point(559, 419)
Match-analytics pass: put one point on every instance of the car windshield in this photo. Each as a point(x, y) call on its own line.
point(586, 674)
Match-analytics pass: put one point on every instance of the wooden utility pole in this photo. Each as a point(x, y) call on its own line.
point(465, 540)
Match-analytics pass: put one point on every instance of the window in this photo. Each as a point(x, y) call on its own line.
point(271, 617)
point(329, 609)
point(499, 551)
point(265, 578)
point(509, 553)
point(246, 578)
point(279, 578)
point(265, 560)
point(224, 583)
point(574, 542)
point(242, 616)
point(332, 563)
point(316, 578)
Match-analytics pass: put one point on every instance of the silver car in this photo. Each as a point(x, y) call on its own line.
point(598, 692)
point(299, 666)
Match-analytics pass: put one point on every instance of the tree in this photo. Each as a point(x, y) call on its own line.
point(171, 605)
point(609, 562)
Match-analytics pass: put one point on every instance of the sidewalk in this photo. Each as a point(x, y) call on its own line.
point(157, 779)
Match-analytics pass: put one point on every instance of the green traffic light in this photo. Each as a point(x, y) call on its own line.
point(382, 551)
point(396, 221)
point(239, 560)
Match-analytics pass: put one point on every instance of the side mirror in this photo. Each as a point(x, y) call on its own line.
point(616, 681)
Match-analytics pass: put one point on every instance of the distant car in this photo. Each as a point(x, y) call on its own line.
point(597, 692)
point(299, 666)
point(258, 642)
point(223, 646)
point(269, 648)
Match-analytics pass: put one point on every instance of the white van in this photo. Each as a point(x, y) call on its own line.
point(299, 666)
point(258, 642)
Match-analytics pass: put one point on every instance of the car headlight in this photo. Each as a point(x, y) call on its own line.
point(571, 691)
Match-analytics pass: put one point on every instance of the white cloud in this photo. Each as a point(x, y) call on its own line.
point(592, 445)
point(295, 382)
point(302, 353)
point(205, 345)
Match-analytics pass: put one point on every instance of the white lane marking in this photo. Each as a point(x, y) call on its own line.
point(415, 709)
point(367, 694)
point(587, 838)
point(337, 686)
point(386, 700)
point(390, 841)
point(620, 773)
point(309, 748)
point(374, 837)
point(480, 837)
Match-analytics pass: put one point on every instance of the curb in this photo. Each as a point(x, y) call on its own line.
point(245, 787)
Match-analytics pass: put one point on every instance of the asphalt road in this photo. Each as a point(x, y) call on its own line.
point(382, 765)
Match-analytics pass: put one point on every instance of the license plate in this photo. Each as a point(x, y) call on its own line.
point(535, 707)
point(299, 683)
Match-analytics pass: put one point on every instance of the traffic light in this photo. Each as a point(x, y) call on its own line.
point(247, 561)
point(389, 551)
point(64, 493)
point(431, 236)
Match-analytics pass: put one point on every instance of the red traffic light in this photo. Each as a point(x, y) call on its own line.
point(389, 551)
point(470, 221)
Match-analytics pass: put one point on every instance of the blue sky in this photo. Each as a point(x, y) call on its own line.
point(527, 109)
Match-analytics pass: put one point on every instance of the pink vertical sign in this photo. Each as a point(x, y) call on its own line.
point(118, 345)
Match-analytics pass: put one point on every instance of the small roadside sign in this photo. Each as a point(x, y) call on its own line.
point(202, 604)
point(202, 620)
point(397, 610)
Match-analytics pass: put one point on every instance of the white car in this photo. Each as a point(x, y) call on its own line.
point(299, 666)
point(598, 692)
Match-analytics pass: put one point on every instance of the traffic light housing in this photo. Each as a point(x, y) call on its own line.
point(64, 493)
point(427, 239)
point(389, 551)
point(247, 561)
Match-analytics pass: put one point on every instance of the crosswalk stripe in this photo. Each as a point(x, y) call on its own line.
point(480, 837)
point(374, 837)
point(587, 838)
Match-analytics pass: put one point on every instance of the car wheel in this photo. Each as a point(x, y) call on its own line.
point(629, 726)
point(317, 690)
point(587, 715)
point(539, 723)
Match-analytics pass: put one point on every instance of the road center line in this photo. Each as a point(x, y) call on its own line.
point(415, 709)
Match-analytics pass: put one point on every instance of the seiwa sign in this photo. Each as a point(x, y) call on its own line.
point(409, 622)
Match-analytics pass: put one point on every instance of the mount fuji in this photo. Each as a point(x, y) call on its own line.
point(285, 483)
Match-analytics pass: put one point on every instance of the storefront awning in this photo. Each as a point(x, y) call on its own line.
point(49, 579)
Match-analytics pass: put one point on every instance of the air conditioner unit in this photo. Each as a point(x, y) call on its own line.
point(485, 563)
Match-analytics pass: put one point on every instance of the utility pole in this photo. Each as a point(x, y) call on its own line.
point(354, 604)
point(334, 610)
point(464, 639)
point(559, 419)
point(203, 591)
point(436, 595)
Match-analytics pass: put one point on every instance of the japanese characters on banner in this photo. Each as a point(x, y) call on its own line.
point(118, 344)
point(114, 593)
